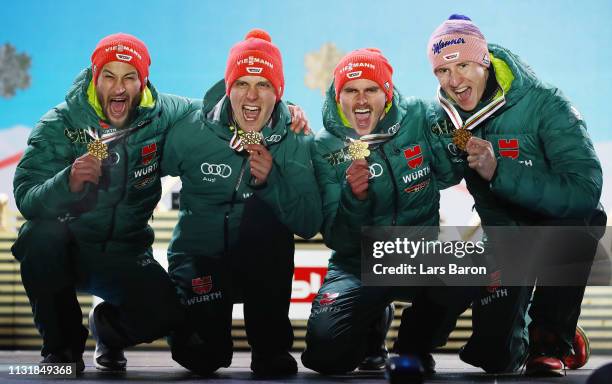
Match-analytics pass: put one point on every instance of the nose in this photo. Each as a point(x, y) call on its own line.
point(119, 88)
point(454, 79)
point(252, 93)
point(361, 98)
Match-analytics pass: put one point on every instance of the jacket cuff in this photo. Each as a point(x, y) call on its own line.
point(504, 186)
point(273, 180)
point(61, 189)
point(351, 205)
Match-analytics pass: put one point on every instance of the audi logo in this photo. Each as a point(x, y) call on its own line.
point(222, 170)
point(112, 159)
point(452, 148)
point(274, 138)
point(392, 130)
point(376, 170)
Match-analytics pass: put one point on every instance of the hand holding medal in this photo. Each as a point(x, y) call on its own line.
point(357, 177)
point(85, 169)
point(481, 157)
point(260, 159)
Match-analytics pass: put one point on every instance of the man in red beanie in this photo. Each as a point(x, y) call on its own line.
point(248, 186)
point(528, 161)
point(87, 186)
point(394, 182)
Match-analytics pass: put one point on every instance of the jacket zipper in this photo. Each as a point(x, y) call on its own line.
point(127, 176)
point(114, 214)
point(395, 189)
point(232, 202)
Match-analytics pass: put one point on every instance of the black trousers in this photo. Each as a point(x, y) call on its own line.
point(343, 312)
point(565, 253)
point(257, 271)
point(54, 265)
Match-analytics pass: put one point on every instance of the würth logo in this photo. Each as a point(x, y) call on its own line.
point(508, 148)
point(414, 156)
point(148, 153)
point(201, 285)
point(328, 298)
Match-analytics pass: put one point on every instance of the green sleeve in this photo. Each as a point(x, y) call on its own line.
point(291, 188)
point(572, 185)
point(178, 110)
point(343, 214)
point(41, 182)
point(171, 156)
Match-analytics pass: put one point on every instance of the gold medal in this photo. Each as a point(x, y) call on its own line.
point(460, 138)
point(358, 150)
point(251, 137)
point(98, 149)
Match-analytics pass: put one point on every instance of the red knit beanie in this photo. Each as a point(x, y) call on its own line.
point(256, 56)
point(365, 63)
point(124, 48)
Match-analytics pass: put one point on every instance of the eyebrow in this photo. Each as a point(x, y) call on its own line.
point(134, 72)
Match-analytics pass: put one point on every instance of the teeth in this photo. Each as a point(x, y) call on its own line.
point(250, 108)
point(460, 90)
point(362, 110)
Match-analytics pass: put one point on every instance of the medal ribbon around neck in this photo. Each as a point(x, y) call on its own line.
point(358, 148)
point(99, 146)
point(462, 133)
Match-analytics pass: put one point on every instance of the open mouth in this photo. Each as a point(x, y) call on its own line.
point(362, 117)
point(463, 94)
point(118, 106)
point(250, 113)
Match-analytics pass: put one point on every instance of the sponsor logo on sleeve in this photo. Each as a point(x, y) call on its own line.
point(329, 298)
point(508, 148)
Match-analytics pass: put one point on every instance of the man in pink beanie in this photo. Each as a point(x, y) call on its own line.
point(527, 159)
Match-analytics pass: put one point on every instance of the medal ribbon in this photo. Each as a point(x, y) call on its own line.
point(112, 136)
point(477, 118)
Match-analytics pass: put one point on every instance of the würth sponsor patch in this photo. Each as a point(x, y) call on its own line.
point(508, 148)
point(202, 285)
point(146, 170)
point(328, 298)
point(148, 153)
point(414, 156)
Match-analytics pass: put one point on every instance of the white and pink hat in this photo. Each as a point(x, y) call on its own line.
point(455, 40)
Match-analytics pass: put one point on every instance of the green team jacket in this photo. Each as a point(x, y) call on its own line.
point(217, 181)
point(546, 164)
point(113, 216)
point(406, 174)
